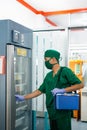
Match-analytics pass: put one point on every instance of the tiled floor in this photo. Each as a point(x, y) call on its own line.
point(78, 125)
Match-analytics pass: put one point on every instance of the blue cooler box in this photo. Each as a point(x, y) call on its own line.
point(67, 101)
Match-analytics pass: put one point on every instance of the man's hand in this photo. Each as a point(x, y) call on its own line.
point(57, 90)
point(19, 98)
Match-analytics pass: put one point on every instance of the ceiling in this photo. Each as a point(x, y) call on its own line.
point(59, 13)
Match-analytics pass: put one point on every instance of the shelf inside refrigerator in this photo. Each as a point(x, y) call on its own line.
point(20, 88)
point(19, 121)
point(19, 77)
point(26, 128)
point(20, 110)
point(21, 124)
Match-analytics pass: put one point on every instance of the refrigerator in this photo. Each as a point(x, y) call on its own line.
point(15, 75)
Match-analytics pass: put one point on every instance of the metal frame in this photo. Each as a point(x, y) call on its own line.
point(10, 99)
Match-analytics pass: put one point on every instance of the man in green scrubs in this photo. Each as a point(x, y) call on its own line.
point(58, 80)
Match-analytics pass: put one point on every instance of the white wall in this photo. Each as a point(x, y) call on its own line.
point(55, 5)
point(11, 9)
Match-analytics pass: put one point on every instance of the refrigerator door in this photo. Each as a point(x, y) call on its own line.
point(18, 114)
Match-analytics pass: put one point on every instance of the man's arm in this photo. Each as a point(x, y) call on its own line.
point(33, 94)
point(74, 87)
point(68, 89)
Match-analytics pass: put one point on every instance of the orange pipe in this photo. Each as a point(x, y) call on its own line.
point(28, 6)
point(50, 22)
point(65, 11)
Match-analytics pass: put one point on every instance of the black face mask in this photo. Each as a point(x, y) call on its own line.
point(48, 65)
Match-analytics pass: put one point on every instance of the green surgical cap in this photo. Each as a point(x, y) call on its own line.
point(52, 53)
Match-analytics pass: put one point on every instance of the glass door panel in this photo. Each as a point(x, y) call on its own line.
point(21, 83)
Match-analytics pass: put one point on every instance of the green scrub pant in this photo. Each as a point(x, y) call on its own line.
point(61, 124)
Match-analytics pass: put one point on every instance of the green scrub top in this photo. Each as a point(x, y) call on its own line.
point(64, 78)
